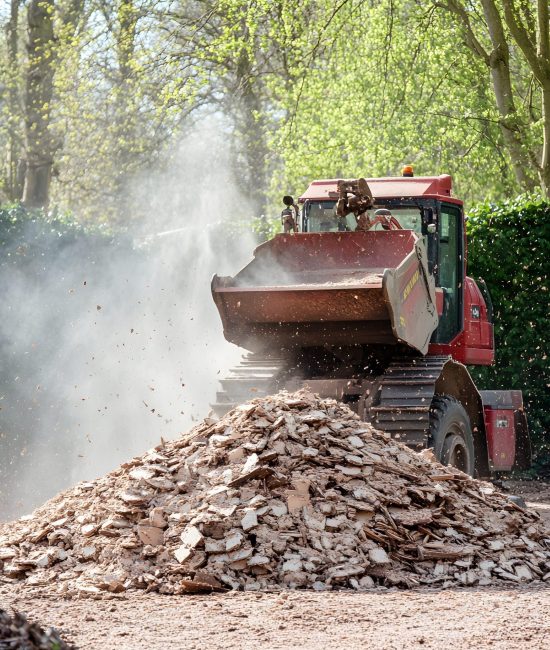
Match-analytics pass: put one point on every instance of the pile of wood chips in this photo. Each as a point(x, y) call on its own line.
point(287, 491)
point(16, 632)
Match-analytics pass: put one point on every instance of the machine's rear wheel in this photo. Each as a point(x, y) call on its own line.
point(451, 434)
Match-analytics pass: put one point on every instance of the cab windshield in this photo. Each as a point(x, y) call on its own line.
point(320, 216)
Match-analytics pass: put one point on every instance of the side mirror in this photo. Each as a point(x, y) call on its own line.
point(429, 227)
point(429, 222)
point(288, 200)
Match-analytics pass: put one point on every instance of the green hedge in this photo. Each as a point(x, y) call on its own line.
point(509, 246)
point(33, 230)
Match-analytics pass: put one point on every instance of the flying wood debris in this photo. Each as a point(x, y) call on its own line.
point(285, 491)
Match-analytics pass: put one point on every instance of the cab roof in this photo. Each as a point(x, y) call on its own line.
point(389, 187)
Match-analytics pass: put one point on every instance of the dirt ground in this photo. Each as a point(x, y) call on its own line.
point(466, 618)
point(535, 493)
point(387, 619)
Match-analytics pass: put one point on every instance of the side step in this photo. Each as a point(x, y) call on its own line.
point(255, 376)
point(406, 390)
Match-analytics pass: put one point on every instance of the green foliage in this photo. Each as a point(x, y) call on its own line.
point(509, 246)
point(22, 227)
point(31, 240)
point(120, 98)
point(384, 95)
point(309, 89)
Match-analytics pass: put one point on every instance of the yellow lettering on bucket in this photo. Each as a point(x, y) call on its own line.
point(410, 284)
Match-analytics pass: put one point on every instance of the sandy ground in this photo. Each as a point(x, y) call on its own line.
point(535, 493)
point(467, 618)
point(515, 617)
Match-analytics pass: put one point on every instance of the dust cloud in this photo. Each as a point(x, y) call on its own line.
point(109, 351)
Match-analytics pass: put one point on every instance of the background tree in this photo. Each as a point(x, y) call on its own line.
point(42, 54)
point(246, 57)
point(512, 39)
point(11, 182)
point(332, 87)
point(375, 89)
point(122, 99)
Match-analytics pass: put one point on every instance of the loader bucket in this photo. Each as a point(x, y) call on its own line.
point(330, 288)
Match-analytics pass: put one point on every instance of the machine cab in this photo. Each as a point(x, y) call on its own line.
point(425, 205)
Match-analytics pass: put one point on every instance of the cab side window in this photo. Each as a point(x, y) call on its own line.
point(450, 272)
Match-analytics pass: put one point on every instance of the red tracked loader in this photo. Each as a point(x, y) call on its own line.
point(370, 304)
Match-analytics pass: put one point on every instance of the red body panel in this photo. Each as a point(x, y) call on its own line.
point(437, 187)
point(501, 437)
point(475, 344)
point(500, 408)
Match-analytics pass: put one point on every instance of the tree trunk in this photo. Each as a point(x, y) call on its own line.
point(509, 124)
point(511, 128)
point(252, 131)
point(12, 179)
point(125, 120)
point(40, 148)
point(544, 173)
point(544, 62)
point(254, 147)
